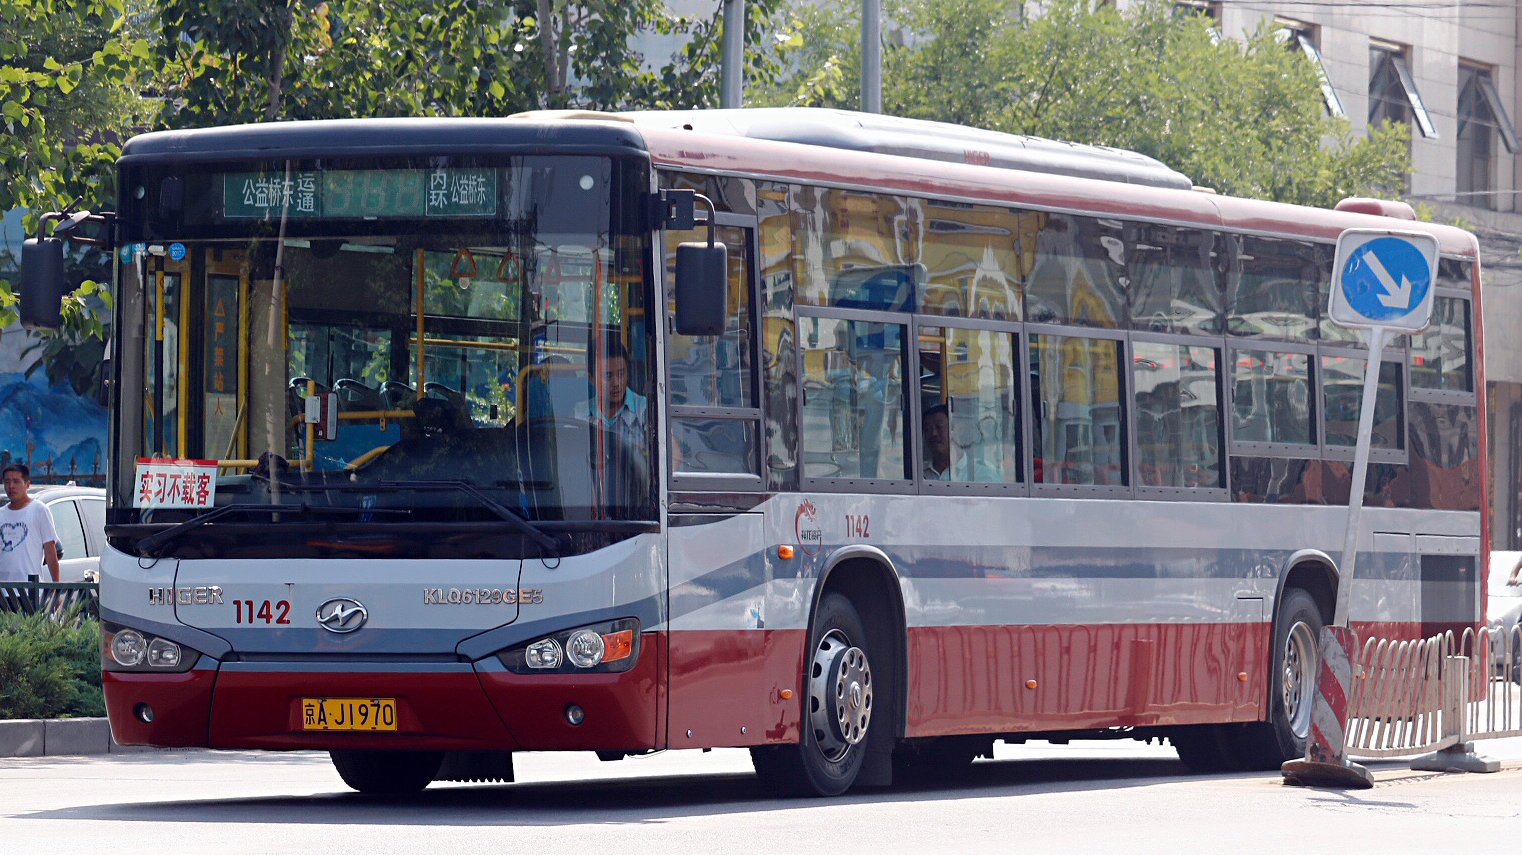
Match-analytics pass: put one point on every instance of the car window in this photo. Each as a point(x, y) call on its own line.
point(71, 533)
point(94, 513)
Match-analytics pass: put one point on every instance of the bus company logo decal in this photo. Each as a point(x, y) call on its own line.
point(806, 528)
point(200, 595)
point(342, 615)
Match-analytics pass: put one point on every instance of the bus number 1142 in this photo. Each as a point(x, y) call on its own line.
point(278, 612)
point(857, 525)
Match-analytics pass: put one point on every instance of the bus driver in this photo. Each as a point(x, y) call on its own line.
point(616, 407)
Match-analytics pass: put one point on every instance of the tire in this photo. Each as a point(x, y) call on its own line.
point(939, 760)
point(1267, 744)
point(837, 709)
point(1205, 748)
point(387, 772)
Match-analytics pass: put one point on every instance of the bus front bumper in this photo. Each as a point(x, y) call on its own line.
point(438, 706)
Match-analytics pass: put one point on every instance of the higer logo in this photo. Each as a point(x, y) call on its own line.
point(806, 528)
point(342, 615)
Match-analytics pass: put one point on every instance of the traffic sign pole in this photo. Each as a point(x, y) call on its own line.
point(1375, 336)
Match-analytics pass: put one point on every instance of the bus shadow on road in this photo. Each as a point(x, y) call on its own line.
point(632, 799)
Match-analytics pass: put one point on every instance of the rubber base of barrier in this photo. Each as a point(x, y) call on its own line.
point(1309, 773)
point(1456, 758)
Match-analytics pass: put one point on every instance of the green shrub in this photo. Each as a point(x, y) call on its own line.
point(49, 668)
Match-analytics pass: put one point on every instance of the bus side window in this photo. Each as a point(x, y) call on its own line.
point(1271, 397)
point(1440, 354)
point(1081, 424)
point(1178, 415)
point(853, 403)
point(969, 416)
point(1261, 292)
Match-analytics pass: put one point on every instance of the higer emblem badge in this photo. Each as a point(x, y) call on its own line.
point(342, 615)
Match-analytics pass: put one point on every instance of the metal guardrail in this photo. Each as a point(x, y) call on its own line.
point(33, 596)
point(1499, 712)
point(1436, 694)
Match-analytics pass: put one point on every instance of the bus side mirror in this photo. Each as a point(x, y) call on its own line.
point(42, 283)
point(702, 284)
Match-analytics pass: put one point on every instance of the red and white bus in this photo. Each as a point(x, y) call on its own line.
point(422, 454)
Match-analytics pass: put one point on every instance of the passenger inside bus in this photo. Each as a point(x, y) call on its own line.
point(939, 465)
point(617, 407)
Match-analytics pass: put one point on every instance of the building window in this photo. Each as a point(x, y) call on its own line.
point(1392, 90)
point(1209, 8)
point(1302, 37)
point(1481, 118)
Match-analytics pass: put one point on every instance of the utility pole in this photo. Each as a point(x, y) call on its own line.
point(871, 56)
point(732, 76)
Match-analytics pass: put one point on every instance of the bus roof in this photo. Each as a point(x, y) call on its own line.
point(329, 138)
point(676, 145)
point(844, 129)
point(831, 147)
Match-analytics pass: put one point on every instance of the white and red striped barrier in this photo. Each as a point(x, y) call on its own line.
point(1326, 761)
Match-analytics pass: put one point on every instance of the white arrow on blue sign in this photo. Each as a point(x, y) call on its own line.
point(1383, 278)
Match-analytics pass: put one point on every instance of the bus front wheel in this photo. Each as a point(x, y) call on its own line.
point(837, 709)
point(387, 772)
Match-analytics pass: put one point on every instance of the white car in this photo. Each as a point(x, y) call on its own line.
point(1503, 609)
point(79, 516)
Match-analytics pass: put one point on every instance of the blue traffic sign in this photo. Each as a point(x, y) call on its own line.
point(1383, 279)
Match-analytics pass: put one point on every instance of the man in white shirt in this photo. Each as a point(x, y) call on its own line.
point(27, 537)
point(614, 405)
point(937, 445)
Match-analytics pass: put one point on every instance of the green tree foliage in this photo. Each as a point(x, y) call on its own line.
point(71, 73)
point(68, 86)
point(1241, 115)
point(231, 61)
point(49, 668)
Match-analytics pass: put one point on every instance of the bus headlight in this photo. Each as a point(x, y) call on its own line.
point(585, 648)
point(129, 648)
point(602, 648)
point(126, 649)
point(163, 653)
point(542, 654)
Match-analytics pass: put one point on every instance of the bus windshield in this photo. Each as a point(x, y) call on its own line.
point(438, 340)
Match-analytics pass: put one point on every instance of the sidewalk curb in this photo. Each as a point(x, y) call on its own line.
point(50, 737)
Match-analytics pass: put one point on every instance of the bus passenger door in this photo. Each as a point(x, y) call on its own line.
point(222, 365)
point(168, 355)
point(719, 689)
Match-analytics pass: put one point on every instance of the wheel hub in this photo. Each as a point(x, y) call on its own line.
point(1299, 679)
point(840, 695)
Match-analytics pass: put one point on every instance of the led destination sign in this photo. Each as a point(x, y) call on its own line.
point(361, 193)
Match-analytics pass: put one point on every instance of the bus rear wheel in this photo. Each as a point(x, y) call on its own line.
point(1267, 744)
point(1209, 748)
point(837, 709)
point(387, 772)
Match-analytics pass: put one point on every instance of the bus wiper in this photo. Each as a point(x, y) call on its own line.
point(547, 543)
point(154, 543)
point(520, 523)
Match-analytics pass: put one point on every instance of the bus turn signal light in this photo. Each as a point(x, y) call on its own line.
point(785, 553)
point(617, 645)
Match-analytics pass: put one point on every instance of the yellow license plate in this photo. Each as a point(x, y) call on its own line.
point(348, 714)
